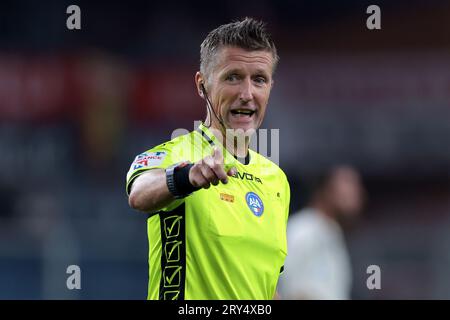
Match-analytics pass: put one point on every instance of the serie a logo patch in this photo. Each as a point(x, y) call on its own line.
point(254, 203)
point(149, 159)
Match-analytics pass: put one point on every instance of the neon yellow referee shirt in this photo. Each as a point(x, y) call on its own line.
point(225, 242)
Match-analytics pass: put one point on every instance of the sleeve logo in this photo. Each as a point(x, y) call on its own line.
point(150, 159)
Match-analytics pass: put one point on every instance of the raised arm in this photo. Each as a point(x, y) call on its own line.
point(150, 192)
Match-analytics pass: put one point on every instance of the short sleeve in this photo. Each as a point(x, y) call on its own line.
point(287, 198)
point(159, 157)
point(287, 195)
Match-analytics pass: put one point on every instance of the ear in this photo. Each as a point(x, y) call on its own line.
point(198, 81)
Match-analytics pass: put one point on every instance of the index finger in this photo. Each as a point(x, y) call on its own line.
point(217, 155)
point(218, 167)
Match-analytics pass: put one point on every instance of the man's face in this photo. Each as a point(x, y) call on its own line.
point(347, 192)
point(239, 86)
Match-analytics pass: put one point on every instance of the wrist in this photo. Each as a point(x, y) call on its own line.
point(177, 179)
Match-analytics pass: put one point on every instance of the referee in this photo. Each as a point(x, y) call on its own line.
point(218, 210)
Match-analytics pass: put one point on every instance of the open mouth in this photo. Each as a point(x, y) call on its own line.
point(244, 112)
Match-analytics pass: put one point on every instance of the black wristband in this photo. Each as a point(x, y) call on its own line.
point(177, 178)
point(181, 179)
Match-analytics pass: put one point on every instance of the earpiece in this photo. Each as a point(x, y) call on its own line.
point(203, 90)
point(209, 105)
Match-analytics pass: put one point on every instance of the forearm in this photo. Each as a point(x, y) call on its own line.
point(149, 192)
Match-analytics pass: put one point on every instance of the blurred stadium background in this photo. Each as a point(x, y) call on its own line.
point(77, 106)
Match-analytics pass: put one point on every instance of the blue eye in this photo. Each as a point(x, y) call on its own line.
point(260, 80)
point(232, 77)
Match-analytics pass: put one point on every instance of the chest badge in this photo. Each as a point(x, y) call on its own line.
point(227, 197)
point(254, 203)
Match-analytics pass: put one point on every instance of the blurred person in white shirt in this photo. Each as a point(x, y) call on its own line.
point(318, 265)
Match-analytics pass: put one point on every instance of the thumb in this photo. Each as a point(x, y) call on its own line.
point(232, 171)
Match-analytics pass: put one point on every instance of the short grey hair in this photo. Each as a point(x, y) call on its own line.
point(248, 34)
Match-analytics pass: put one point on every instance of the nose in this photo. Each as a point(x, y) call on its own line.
point(246, 91)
